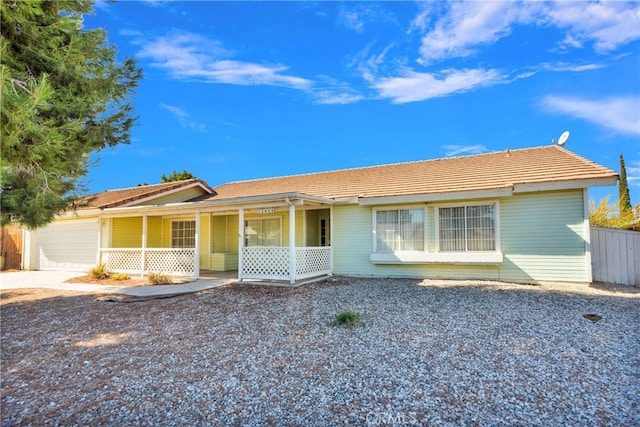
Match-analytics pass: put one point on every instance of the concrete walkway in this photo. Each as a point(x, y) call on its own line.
point(56, 279)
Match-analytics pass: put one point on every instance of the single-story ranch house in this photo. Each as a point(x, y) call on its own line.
point(516, 215)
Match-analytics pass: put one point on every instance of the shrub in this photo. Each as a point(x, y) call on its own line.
point(119, 276)
point(158, 279)
point(347, 319)
point(99, 271)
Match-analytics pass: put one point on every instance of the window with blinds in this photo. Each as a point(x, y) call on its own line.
point(467, 228)
point(399, 230)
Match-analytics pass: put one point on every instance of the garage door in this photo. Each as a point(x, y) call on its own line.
point(68, 246)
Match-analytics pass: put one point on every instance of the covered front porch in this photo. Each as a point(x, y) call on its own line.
point(284, 238)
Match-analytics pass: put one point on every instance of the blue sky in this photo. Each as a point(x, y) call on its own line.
point(243, 90)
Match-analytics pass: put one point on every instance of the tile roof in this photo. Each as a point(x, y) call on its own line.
point(125, 196)
point(548, 164)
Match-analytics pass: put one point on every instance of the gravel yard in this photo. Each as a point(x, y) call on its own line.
point(429, 353)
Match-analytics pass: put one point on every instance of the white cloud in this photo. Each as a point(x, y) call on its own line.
point(422, 21)
point(184, 118)
point(155, 3)
point(351, 19)
point(355, 15)
point(608, 25)
point(465, 26)
point(413, 86)
point(331, 91)
point(331, 97)
point(556, 67)
point(620, 114)
point(563, 66)
point(633, 173)
point(369, 64)
point(189, 56)
point(458, 150)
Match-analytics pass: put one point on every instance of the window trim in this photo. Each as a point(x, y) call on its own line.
point(432, 220)
point(496, 224)
point(374, 227)
point(176, 220)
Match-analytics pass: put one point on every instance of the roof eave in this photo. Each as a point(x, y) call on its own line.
point(565, 185)
point(437, 197)
point(279, 199)
point(154, 195)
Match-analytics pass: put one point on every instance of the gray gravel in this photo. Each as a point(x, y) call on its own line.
point(445, 353)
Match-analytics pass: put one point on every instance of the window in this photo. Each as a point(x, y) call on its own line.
point(263, 232)
point(183, 234)
point(467, 228)
point(399, 230)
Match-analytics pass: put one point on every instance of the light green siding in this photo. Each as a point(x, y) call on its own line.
point(352, 240)
point(353, 243)
point(541, 235)
point(177, 197)
point(126, 232)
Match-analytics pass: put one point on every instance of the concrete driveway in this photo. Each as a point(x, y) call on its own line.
point(56, 280)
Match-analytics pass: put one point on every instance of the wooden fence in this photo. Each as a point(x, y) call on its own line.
point(11, 248)
point(615, 256)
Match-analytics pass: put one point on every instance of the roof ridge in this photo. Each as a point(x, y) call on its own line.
point(150, 185)
point(384, 165)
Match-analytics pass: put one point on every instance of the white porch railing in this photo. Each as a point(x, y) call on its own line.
point(170, 261)
point(272, 263)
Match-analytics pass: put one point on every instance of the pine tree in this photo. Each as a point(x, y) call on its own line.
point(177, 176)
point(624, 203)
point(64, 97)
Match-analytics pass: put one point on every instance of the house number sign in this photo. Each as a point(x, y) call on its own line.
point(266, 210)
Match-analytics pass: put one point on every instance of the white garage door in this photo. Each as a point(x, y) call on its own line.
point(70, 246)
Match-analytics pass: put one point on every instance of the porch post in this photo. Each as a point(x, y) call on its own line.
point(144, 244)
point(331, 238)
point(240, 241)
point(292, 243)
point(196, 264)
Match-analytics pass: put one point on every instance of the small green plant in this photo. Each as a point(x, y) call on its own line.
point(347, 319)
point(99, 271)
point(119, 276)
point(158, 279)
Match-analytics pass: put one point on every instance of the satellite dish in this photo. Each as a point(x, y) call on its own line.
point(563, 138)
